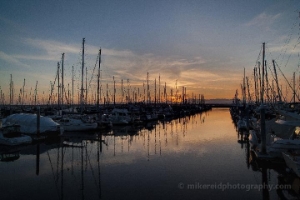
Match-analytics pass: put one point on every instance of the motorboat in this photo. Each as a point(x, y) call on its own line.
point(119, 117)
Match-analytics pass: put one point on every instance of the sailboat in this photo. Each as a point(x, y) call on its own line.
point(78, 122)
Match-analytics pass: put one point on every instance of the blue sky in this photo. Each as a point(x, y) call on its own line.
point(204, 45)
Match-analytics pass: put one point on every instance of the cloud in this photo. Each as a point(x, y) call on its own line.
point(263, 20)
point(191, 72)
point(120, 61)
point(286, 45)
point(125, 64)
point(52, 49)
point(12, 60)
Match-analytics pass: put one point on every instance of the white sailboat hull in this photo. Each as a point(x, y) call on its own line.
point(77, 125)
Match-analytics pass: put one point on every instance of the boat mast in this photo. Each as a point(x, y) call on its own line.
point(86, 87)
point(62, 79)
point(98, 81)
point(182, 95)
point(35, 93)
point(107, 101)
point(176, 91)
point(159, 88)
point(263, 75)
point(155, 93)
point(294, 85)
point(248, 89)
point(259, 77)
point(122, 89)
point(144, 92)
point(114, 90)
point(23, 91)
point(68, 100)
point(276, 80)
point(148, 93)
point(128, 92)
point(267, 81)
point(262, 109)
point(244, 88)
point(165, 93)
point(171, 96)
point(185, 94)
point(72, 101)
point(58, 91)
point(10, 93)
point(255, 84)
point(138, 95)
point(82, 74)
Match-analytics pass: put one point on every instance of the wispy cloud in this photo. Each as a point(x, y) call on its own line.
point(12, 60)
point(124, 64)
point(287, 45)
point(263, 20)
point(52, 49)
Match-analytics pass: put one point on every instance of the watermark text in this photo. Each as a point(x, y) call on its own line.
point(229, 186)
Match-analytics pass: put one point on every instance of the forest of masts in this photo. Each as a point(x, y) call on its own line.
point(118, 92)
point(266, 91)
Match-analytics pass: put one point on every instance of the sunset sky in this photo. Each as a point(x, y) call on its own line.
point(203, 45)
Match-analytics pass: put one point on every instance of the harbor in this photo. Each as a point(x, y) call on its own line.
point(150, 100)
point(165, 159)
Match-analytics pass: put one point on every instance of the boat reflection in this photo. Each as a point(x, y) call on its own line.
point(287, 185)
point(72, 162)
point(9, 157)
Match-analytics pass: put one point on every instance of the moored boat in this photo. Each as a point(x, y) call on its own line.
point(242, 124)
point(11, 136)
point(292, 161)
point(28, 123)
point(120, 117)
point(77, 123)
point(279, 146)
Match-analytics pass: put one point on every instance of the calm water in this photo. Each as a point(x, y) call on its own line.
point(188, 158)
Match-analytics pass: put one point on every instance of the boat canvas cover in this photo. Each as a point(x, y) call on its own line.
point(28, 123)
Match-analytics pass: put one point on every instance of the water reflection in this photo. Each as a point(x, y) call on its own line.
point(274, 175)
point(146, 161)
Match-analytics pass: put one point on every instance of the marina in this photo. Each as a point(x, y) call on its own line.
point(150, 100)
point(196, 156)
